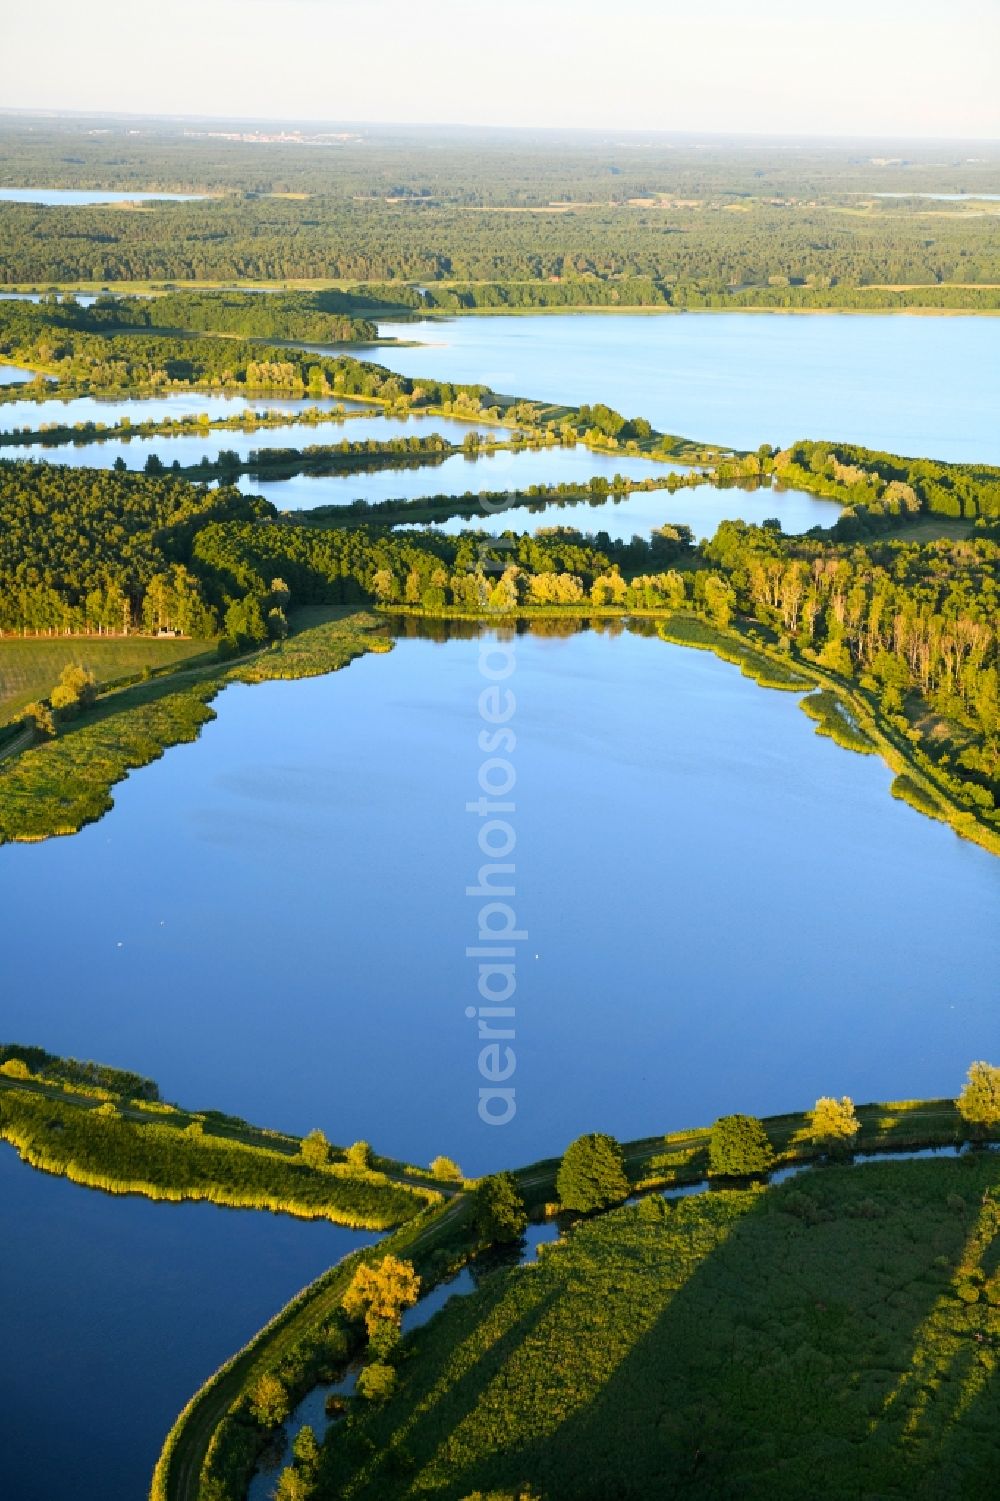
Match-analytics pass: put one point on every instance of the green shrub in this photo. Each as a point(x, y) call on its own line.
point(739, 1147)
point(592, 1174)
point(979, 1102)
point(499, 1210)
point(377, 1382)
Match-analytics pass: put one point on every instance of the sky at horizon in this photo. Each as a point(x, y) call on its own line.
point(895, 69)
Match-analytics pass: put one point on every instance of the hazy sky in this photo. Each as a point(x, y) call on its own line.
point(860, 67)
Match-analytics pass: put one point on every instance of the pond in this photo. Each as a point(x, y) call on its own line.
point(913, 385)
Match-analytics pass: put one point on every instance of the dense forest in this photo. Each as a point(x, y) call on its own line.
point(698, 249)
point(318, 318)
point(884, 485)
point(913, 626)
point(577, 219)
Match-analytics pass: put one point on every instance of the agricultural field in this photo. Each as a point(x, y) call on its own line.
point(30, 667)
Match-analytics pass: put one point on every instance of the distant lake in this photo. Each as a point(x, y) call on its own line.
point(189, 448)
point(701, 509)
point(112, 409)
point(84, 299)
point(73, 197)
point(913, 385)
point(946, 197)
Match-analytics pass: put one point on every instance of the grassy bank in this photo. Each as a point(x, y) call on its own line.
point(833, 1336)
point(753, 662)
point(164, 1153)
point(851, 718)
point(213, 1446)
point(214, 1443)
point(58, 786)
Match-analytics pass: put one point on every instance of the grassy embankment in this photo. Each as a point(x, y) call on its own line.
point(836, 1335)
point(57, 786)
point(124, 1144)
point(213, 1445)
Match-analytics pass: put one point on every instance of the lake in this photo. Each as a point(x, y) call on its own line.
point(724, 911)
point(913, 385)
point(289, 944)
point(75, 197)
point(113, 1311)
point(702, 509)
point(84, 299)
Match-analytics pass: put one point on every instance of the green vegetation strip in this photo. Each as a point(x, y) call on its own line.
point(690, 630)
point(833, 1336)
point(211, 1451)
point(107, 1128)
point(178, 1156)
point(213, 1440)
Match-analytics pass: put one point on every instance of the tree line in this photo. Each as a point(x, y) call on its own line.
point(777, 250)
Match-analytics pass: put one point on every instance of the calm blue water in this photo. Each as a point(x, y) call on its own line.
point(13, 375)
point(701, 509)
point(73, 197)
point(907, 384)
point(290, 941)
point(116, 1309)
point(508, 469)
point(724, 911)
point(85, 299)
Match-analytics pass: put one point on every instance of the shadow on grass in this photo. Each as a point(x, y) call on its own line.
point(811, 1340)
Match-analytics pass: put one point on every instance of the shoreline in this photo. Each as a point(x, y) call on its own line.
point(17, 290)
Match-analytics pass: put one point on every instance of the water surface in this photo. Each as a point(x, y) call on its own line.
point(74, 197)
point(13, 375)
point(912, 385)
point(191, 448)
point(724, 910)
point(702, 509)
point(112, 409)
point(114, 1310)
